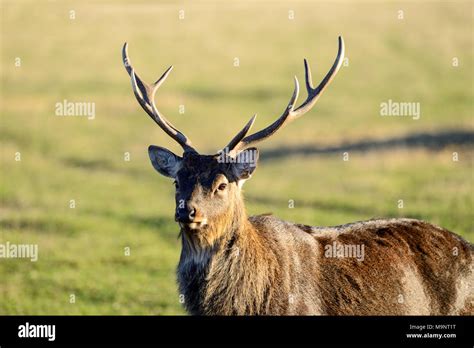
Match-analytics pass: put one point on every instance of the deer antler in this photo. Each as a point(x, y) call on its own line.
point(240, 142)
point(145, 95)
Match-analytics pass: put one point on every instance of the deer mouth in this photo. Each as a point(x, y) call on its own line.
point(194, 225)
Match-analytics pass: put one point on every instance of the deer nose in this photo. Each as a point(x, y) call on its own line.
point(192, 214)
point(186, 215)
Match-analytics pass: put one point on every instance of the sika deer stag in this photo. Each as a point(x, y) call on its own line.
point(232, 264)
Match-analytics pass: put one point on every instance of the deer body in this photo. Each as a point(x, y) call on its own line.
point(234, 265)
point(273, 267)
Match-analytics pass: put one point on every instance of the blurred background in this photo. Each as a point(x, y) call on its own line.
point(83, 189)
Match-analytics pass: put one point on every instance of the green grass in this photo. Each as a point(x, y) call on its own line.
point(123, 204)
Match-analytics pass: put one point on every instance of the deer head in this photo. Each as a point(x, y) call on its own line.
point(208, 187)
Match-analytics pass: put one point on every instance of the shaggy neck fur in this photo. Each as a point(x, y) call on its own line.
point(225, 269)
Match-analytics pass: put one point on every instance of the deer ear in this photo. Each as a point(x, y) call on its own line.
point(164, 161)
point(245, 164)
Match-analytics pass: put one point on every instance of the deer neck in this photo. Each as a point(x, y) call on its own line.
point(222, 234)
point(203, 271)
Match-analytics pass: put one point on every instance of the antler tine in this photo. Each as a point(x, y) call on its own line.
point(241, 134)
point(290, 112)
point(315, 93)
point(145, 95)
point(268, 131)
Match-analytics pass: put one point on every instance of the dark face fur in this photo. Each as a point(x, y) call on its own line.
point(208, 198)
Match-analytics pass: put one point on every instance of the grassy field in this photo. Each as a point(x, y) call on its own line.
point(126, 204)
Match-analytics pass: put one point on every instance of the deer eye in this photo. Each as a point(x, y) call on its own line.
point(222, 187)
